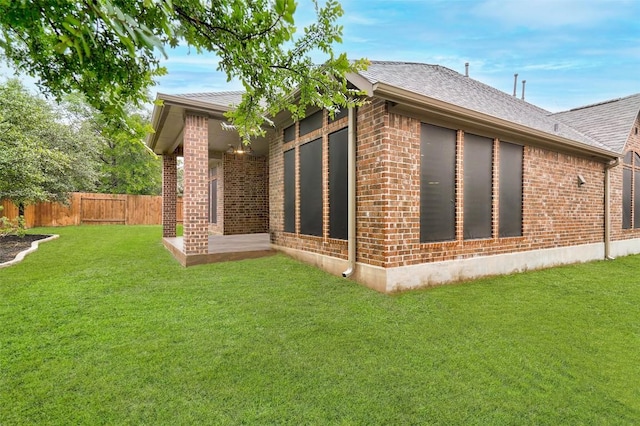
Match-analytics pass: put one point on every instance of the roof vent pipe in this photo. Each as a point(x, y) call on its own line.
point(466, 69)
point(515, 83)
point(523, 83)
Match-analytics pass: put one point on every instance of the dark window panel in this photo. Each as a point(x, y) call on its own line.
point(311, 188)
point(289, 133)
point(213, 201)
point(341, 113)
point(628, 157)
point(478, 156)
point(636, 159)
point(338, 194)
point(311, 123)
point(437, 183)
point(290, 191)
point(510, 190)
point(636, 199)
point(626, 198)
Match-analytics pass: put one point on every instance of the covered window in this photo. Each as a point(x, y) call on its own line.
point(289, 133)
point(311, 122)
point(510, 210)
point(338, 196)
point(340, 113)
point(631, 191)
point(478, 162)
point(311, 188)
point(437, 183)
point(290, 191)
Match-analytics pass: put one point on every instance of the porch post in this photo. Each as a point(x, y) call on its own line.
point(169, 195)
point(196, 196)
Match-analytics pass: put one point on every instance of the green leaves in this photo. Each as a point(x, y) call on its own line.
point(110, 51)
point(40, 158)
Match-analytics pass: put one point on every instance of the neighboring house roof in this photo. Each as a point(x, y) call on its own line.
point(446, 85)
point(609, 122)
point(224, 99)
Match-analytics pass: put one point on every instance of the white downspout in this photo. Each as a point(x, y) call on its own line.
point(607, 209)
point(351, 194)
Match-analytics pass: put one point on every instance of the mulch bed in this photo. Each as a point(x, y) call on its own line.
point(11, 245)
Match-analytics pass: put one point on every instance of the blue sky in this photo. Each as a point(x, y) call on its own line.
point(571, 52)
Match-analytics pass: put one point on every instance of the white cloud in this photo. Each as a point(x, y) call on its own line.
point(552, 66)
point(358, 19)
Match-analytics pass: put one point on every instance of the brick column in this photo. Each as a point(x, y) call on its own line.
point(196, 191)
point(169, 195)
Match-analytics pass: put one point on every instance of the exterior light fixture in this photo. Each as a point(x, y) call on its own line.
point(581, 180)
point(240, 150)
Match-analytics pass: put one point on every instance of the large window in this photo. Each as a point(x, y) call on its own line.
point(631, 191)
point(437, 183)
point(290, 191)
point(311, 188)
point(438, 186)
point(478, 159)
point(510, 209)
point(338, 193)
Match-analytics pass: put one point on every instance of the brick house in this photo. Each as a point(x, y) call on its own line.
point(437, 178)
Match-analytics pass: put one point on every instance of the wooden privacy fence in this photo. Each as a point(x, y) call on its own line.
point(95, 209)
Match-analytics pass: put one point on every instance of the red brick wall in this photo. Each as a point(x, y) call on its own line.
point(324, 245)
point(169, 195)
point(196, 188)
point(557, 212)
point(246, 194)
point(372, 176)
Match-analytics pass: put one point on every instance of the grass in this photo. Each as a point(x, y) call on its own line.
point(102, 326)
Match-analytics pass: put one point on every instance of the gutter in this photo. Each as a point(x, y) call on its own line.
point(607, 208)
point(448, 111)
point(351, 194)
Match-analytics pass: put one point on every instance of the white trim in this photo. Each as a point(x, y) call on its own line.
point(625, 247)
point(389, 280)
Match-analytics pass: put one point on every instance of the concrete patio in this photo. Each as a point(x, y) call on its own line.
point(222, 248)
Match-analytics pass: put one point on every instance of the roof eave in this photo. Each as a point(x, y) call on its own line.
point(361, 82)
point(193, 104)
point(164, 103)
point(459, 114)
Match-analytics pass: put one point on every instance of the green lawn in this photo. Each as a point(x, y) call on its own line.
point(102, 326)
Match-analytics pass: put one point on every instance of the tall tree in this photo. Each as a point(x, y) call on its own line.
point(110, 50)
point(41, 159)
point(124, 164)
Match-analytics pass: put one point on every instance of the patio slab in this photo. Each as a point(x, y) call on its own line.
point(222, 248)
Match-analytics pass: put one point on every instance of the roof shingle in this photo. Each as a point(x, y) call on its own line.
point(609, 122)
point(449, 86)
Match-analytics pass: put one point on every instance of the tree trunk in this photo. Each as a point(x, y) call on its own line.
point(21, 209)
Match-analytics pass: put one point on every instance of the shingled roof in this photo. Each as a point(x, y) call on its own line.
point(609, 122)
point(605, 125)
point(224, 99)
point(449, 86)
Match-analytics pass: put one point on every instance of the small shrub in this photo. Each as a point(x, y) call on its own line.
point(12, 227)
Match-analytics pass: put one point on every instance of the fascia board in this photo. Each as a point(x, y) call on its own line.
point(459, 114)
point(361, 83)
point(194, 105)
